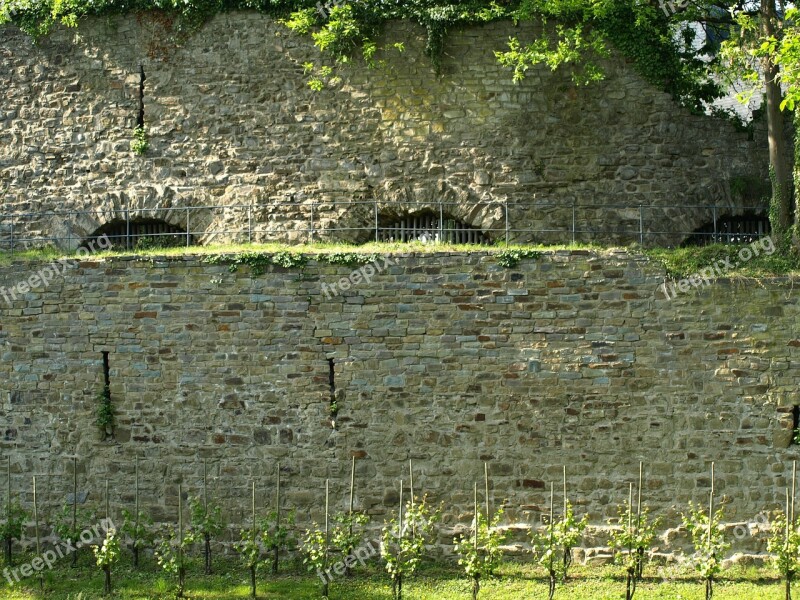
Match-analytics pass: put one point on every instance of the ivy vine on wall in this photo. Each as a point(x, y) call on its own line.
point(346, 30)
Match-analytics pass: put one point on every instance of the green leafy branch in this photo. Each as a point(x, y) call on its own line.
point(511, 258)
point(479, 552)
point(106, 415)
point(140, 142)
point(708, 542)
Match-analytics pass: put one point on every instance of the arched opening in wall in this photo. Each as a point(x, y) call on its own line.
point(140, 234)
point(428, 227)
point(740, 229)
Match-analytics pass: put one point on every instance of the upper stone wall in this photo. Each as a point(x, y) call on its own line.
point(232, 121)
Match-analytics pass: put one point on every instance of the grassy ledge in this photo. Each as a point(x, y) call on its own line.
point(678, 262)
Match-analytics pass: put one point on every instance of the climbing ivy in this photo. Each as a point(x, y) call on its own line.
point(259, 261)
point(641, 31)
point(511, 258)
point(343, 30)
point(347, 259)
point(105, 413)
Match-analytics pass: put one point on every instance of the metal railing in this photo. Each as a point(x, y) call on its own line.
point(363, 221)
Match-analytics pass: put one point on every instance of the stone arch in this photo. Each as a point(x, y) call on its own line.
point(139, 233)
point(394, 203)
point(427, 225)
point(737, 227)
point(143, 206)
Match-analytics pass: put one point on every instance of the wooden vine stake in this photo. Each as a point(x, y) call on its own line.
point(711, 504)
point(550, 566)
point(352, 484)
point(567, 551)
point(630, 576)
point(107, 568)
point(181, 568)
point(9, 542)
point(640, 549)
point(476, 585)
point(205, 485)
point(327, 538)
point(75, 507)
point(206, 534)
point(709, 581)
point(794, 481)
point(277, 551)
point(347, 569)
point(397, 581)
point(788, 582)
point(411, 477)
point(486, 490)
point(136, 514)
point(253, 516)
point(36, 528)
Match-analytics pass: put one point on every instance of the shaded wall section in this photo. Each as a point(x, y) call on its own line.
point(231, 121)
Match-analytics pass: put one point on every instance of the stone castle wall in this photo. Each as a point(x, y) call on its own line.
point(449, 360)
point(232, 121)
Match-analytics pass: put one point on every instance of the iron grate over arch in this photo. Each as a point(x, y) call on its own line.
point(740, 229)
point(141, 234)
point(428, 226)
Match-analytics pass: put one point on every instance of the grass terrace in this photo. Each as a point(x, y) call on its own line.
point(678, 262)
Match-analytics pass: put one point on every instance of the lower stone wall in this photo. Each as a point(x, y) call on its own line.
point(447, 360)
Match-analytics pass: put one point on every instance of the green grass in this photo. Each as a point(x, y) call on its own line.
point(678, 262)
point(515, 582)
point(318, 248)
point(683, 262)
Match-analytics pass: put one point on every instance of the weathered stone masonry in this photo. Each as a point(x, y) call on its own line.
point(449, 359)
point(232, 121)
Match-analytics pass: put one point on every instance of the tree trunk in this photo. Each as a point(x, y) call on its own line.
point(253, 581)
point(135, 556)
point(325, 590)
point(780, 211)
point(208, 553)
point(9, 557)
point(476, 588)
point(552, 591)
point(788, 589)
point(796, 232)
point(709, 588)
point(275, 561)
point(107, 581)
point(74, 564)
